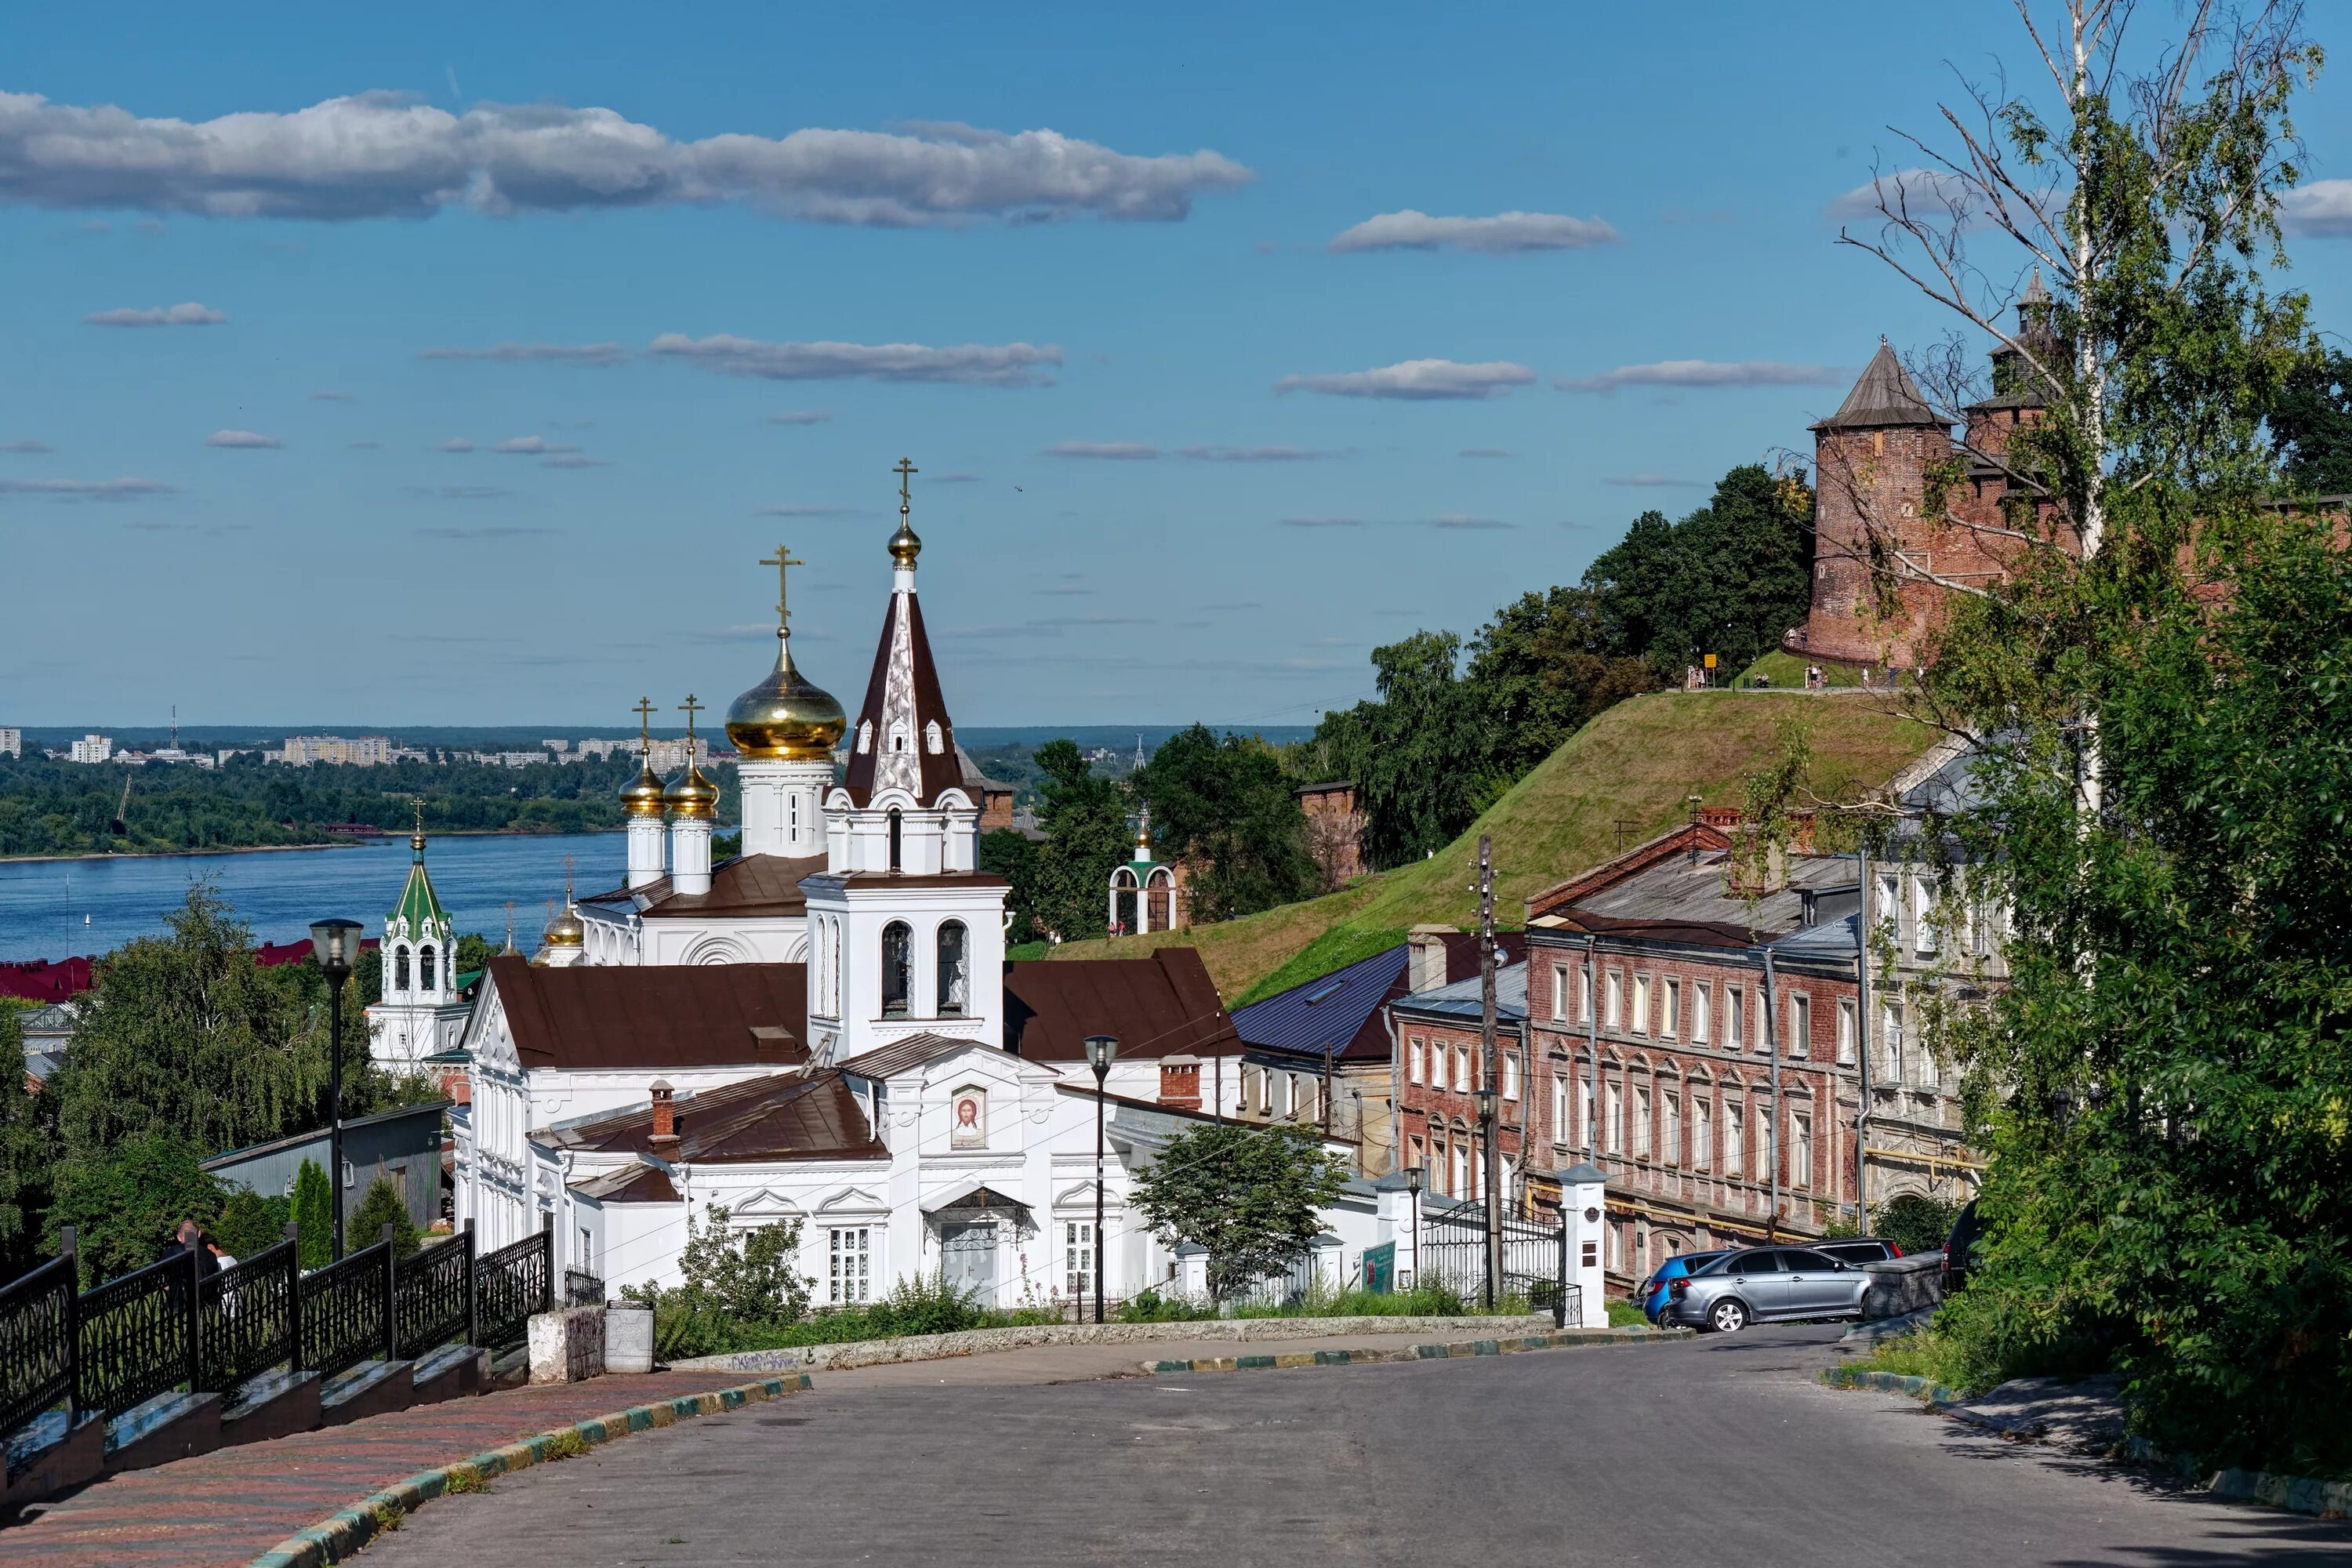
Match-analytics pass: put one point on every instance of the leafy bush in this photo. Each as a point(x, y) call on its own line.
point(1149, 1306)
point(382, 1205)
point(1425, 1301)
point(1914, 1222)
point(314, 1216)
point(250, 1222)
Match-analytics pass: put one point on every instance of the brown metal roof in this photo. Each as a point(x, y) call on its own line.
point(939, 770)
point(1158, 1006)
point(901, 1054)
point(746, 885)
point(778, 1116)
point(630, 1184)
point(918, 880)
point(655, 1017)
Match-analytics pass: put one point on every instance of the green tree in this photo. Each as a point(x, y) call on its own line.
point(1083, 815)
point(1228, 811)
point(1914, 1222)
point(1542, 668)
point(250, 1222)
point(1253, 1196)
point(125, 1202)
point(2311, 425)
point(25, 1141)
point(1008, 853)
point(1728, 579)
point(1418, 754)
point(314, 1215)
point(381, 1206)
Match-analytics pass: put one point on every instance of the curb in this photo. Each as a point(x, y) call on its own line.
point(343, 1532)
point(1888, 1382)
point(1569, 1339)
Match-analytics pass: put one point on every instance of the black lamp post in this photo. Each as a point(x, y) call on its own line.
point(335, 943)
point(1101, 1051)
point(1415, 1176)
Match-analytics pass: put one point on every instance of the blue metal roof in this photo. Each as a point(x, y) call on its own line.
point(1462, 999)
point(1328, 1011)
point(1829, 940)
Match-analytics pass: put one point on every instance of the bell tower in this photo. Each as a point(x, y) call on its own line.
point(417, 1011)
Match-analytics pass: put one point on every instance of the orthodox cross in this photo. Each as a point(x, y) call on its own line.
point(783, 562)
point(644, 712)
point(905, 470)
point(419, 804)
point(690, 708)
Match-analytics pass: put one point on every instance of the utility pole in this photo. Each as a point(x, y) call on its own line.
point(1772, 1138)
point(1862, 1052)
point(1493, 1097)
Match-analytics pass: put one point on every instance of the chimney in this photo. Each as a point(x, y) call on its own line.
point(1425, 957)
point(1808, 907)
point(664, 1134)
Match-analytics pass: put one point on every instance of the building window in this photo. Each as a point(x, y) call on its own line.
point(1702, 1133)
point(424, 967)
point(852, 1255)
point(1890, 1029)
point(400, 968)
point(932, 739)
point(1462, 1069)
point(1421, 1155)
point(1670, 1010)
point(1890, 904)
point(1414, 1054)
point(1733, 1139)
point(866, 737)
point(1702, 1006)
point(1845, 1031)
point(955, 981)
point(1078, 1259)
point(1641, 1004)
point(1584, 1113)
point(897, 839)
point(1616, 1103)
point(1801, 1150)
point(898, 967)
point(1584, 993)
point(1732, 1020)
point(1511, 1075)
point(1923, 914)
point(1560, 993)
point(1670, 1133)
point(1801, 1025)
point(1559, 1127)
point(1614, 1014)
point(1640, 1124)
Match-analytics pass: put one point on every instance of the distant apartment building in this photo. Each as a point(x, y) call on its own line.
point(668, 756)
point(12, 743)
point(363, 752)
point(559, 748)
point(92, 748)
point(601, 747)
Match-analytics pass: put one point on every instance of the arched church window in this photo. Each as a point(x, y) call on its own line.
point(866, 737)
point(932, 739)
point(424, 967)
point(897, 838)
point(898, 967)
point(400, 968)
point(955, 981)
point(897, 738)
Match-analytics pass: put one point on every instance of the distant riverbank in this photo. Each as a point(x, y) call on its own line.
point(353, 842)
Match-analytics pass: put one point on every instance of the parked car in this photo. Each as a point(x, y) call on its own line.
point(1766, 1284)
point(1653, 1295)
point(1959, 1248)
point(1858, 1249)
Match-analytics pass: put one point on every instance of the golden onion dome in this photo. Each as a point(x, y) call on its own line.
point(787, 716)
point(691, 795)
point(905, 544)
point(566, 930)
point(641, 796)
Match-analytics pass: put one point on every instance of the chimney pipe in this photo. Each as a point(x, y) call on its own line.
point(664, 1134)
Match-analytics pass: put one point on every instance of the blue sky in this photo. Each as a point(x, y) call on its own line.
point(249, 511)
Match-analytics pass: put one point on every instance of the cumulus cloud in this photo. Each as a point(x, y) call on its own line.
point(2322, 209)
point(1322, 522)
point(247, 440)
point(382, 154)
point(802, 416)
point(1129, 451)
point(87, 490)
point(456, 444)
point(529, 446)
point(1254, 454)
point(809, 512)
point(1417, 380)
point(1704, 372)
point(529, 353)
point(1649, 481)
point(190, 314)
point(972, 365)
point(1499, 235)
point(35, 447)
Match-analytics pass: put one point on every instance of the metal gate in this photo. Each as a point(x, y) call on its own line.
point(1535, 1259)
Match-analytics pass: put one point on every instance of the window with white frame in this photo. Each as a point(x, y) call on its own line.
point(1801, 1025)
point(1702, 1009)
point(1732, 1020)
point(851, 1256)
point(1560, 993)
point(1670, 1123)
point(1890, 1034)
point(1923, 911)
point(1612, 1008)
point(1641, 1004)
point(1734, 1145)
point(1414, 1052)
point(1890, 904)
point(1584, 993)
point(1561, 1129)
point(1800, 1149)
point(1847, 1022)
point(1584, 1113)
point(1462, 1069)
point(1511, 1075)
point(1078, 1259)
point(1670, 1006)
point(1702, 1131)
point(1640, 1123)
point(1616, 1102)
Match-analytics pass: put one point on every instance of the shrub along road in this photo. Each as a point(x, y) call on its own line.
point(1718, 1450)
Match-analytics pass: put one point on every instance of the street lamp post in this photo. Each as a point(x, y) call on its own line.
point(1489, 1098)
point(1414, 1178)
point(1101, 1051)
point(335, 943)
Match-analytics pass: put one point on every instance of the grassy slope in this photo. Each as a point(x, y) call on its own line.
point(1638, 761)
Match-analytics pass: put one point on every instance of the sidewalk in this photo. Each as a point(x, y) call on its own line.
point(222, 1509)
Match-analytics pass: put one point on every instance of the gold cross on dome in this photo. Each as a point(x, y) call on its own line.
point(644, 712)
point(905, 470)
point(783, 561)
point(690, 708)
point(418, 805)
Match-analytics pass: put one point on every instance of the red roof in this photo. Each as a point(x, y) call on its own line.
point(1163, 1006)
point(38, 980)
point(655, 1017)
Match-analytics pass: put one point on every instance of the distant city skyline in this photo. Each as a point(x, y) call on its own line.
point(440, 364)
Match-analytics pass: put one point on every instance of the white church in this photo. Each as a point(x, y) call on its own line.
point(824, 1028)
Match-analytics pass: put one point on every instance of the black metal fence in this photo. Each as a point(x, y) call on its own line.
point(1453, 1255)
point(581, 1289)
point(163, 1328)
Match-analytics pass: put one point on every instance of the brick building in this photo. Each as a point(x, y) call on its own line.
point(1438, 1035)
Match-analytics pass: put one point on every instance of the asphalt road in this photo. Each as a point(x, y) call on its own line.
point(1716, 1451)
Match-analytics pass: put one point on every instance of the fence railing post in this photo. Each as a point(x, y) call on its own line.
point(1559, 1302)
point(195, 1318)
point(547, 1262)
point(391, 1296)
point(70, 1248)
point(473, 1300)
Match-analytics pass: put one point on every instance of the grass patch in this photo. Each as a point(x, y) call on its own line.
point(1335, 949)
point(1625, 1315)
point(566, 1445)
point(463, 1481)
point(927, 1306)
point(1024, 952)
point(1786, 672)
point(1923, 1353)
point(387, 1517)
point(1431, 1301)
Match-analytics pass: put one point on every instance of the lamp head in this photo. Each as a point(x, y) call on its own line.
point(1101, 1051)
point(1414, 1177)
point(335, 943)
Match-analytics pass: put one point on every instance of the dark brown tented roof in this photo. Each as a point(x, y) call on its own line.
point(1885, 396)
point(655, 1017)
point(630, 1184)
point(778, 1116)
point(937, 769)
point(746, 885)
point(1162, 1005)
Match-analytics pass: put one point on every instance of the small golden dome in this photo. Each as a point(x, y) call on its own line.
point(786, 718)
point(566, 930)
point(905, 544)
point(691, 795)
point(641, 796)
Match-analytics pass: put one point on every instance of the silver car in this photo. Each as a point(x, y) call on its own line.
point(1764, 1283)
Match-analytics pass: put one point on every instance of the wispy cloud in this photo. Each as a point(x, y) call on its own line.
point(1650, 481)
point(1322, 522)
point(574, 460)
point(486, 530)
point(87, 490)
point(1125, 451)
point(809, 512)
point(457, 492)
point(363, 447)
point(330, 397)
point(529, 446)
point(802, 416)
point(188, 315)
point(2322, 209)
point(243, 440)
point(957, 478)
point(34, 447)
point(1417, 380)
point(1921, 192)
point(971, 365)
point(384, 154)
point(456, 444)
point(1482, 452)
point(1255, 453)
point(535, 353)
point(1464, 522)
point(1499, 235)
point(1687, 373)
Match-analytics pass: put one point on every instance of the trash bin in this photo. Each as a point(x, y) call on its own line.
point(628, 1338)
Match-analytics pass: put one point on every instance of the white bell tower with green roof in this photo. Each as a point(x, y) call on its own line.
point(419, 1012)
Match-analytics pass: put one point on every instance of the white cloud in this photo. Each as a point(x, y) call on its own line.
point(527, 354)
point(1322, 522)
point(456, 444)
point(1704, 372)
point(1416, 379)
point(1499, 235)
point(1123, 450)
point(1923, 193)
point(1463, 522)
point(571, 457)
point(190, 314)
point(529, 446)
point(384, 154)
point(957, 478)
point(242, 439)
point(1254, 454)
point(2322, 209)
point(802, 416)
point(86, 490)
point(975, 365)
point(1649, 481)
point(31, 446)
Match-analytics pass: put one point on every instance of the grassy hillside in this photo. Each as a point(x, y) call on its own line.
point(1637, 762)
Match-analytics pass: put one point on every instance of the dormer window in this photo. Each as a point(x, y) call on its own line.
point(865, 737)
point(933, 741)
point(898, 739)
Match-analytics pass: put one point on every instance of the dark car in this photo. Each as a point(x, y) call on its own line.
point(1959, 1248)
point(1859, 1249)
point(1761, 1284)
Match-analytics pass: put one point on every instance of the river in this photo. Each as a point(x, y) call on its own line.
point(55, 908)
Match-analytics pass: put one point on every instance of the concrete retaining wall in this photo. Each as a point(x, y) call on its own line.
point(1902, 1285)
point(979, 1341)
